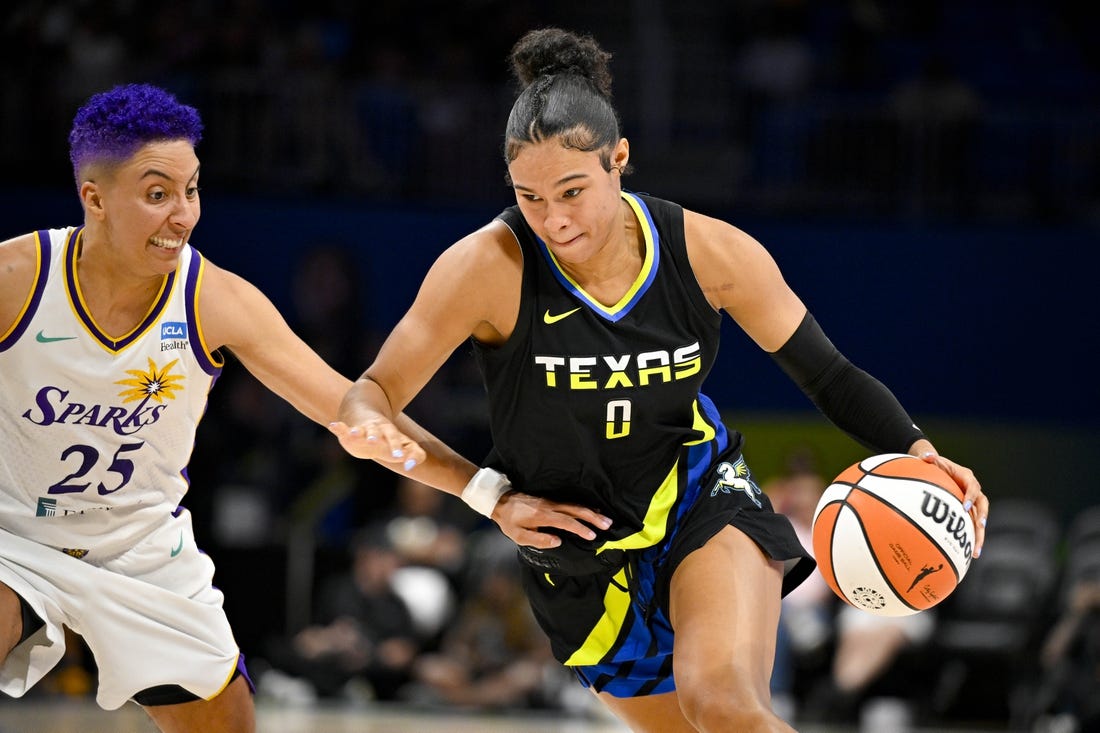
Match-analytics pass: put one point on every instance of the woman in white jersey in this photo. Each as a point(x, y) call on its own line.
point(109, 343)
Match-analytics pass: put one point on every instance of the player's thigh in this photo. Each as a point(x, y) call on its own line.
point(232, 711)
point(724, 607)
point(11, 620)
point(649, 713)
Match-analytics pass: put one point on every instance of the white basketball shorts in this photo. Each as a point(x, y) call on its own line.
point(151, 616)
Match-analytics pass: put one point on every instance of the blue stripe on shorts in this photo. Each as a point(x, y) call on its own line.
point(641, 663)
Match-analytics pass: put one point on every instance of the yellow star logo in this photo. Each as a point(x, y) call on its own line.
point(155, 383)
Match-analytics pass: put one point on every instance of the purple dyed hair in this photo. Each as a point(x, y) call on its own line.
point(112, 125)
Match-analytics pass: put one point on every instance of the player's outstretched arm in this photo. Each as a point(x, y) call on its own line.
point(236, 316)
point(521, 517)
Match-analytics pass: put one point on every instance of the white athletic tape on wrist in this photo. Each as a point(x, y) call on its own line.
point(484, 490)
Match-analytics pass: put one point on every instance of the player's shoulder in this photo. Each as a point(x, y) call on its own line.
point(493, 245)
point(231, 308)
point(18, 262)
point(220, 284)
point(709, 236)
point(492, 236)
point(20, 251)
point(699, 224)
point(18, 267)
point(227, 300)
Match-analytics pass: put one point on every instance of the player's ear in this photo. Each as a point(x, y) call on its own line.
point(91, 199)
point(620, 155)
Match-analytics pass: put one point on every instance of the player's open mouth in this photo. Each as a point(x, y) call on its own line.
point(165, 243)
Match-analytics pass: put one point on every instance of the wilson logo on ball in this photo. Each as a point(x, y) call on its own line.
point(942, 513)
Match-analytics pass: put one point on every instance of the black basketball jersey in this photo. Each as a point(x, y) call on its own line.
point(592, 403)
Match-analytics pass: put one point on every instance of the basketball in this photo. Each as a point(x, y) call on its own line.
point(890, 535)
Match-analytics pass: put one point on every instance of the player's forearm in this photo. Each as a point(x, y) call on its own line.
point(366, 404)
point(921, 447)
point(852, 399)
point(364, 401)
point(443, 469)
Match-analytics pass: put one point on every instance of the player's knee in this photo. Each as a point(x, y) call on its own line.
point(713, 702)
point(716, 713)
point(11, 621)
point(231, 711)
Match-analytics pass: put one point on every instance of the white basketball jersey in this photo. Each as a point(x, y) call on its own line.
point(98, 428)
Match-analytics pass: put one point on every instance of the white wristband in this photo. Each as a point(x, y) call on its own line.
point(485, 489)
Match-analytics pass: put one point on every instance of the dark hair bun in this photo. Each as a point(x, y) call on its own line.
point(550, 51)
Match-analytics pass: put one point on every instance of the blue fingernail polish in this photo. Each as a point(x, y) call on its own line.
point(978, 552)
point(398, 453)
point(967, 504)
point(410, 464)
point(982, 520)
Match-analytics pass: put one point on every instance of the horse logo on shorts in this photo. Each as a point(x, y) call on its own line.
point(735, 477)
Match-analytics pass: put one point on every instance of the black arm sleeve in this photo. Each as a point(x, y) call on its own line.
point(852, 399)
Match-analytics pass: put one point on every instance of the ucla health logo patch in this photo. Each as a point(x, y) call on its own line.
point(173, 335)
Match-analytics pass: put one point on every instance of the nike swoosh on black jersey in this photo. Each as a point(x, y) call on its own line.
point(547, 318)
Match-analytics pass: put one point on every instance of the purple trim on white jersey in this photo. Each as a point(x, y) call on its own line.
point(71, 253)
point(190, 291)
point(44, 256)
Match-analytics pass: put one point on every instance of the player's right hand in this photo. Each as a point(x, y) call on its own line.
point(378, 439)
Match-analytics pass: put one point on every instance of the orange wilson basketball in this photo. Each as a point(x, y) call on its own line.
point(890, 535)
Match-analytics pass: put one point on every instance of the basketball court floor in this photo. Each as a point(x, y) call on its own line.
point(67, 716)
point(59, 715)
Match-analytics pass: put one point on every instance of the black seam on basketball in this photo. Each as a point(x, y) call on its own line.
point(832, 538)
point(931, 540)
point(898, 457)
point(895, 459)
point(926, 482)
point(874, 558)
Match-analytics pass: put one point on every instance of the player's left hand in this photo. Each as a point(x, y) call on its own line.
point(524, 519)
point(378, 439)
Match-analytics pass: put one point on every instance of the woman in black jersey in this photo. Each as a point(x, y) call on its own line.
point(594, 314)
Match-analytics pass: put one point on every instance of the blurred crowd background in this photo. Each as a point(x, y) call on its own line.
point(974, 108)
point(927, 175)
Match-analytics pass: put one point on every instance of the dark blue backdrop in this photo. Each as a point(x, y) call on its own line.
point(982, 322)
